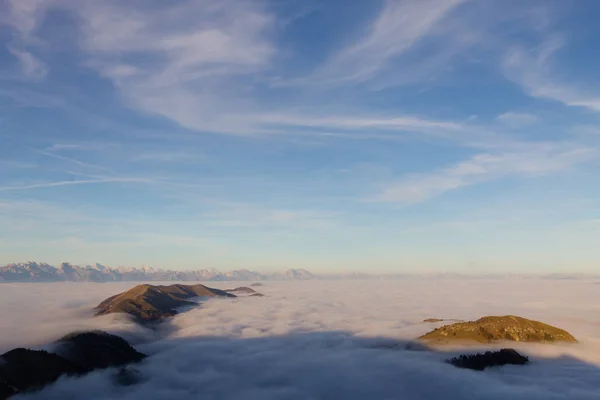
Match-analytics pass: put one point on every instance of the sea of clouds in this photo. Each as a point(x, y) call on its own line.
point(320, 340)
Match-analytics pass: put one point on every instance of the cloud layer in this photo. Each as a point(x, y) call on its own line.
point(326, 339)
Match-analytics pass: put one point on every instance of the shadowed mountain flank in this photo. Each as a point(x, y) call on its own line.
point(97, 349)
point(492, 329)
point(23, 370)
point(148, 303)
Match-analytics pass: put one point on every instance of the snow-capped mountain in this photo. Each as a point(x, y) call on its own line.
point(298, 274)
point(43, 272)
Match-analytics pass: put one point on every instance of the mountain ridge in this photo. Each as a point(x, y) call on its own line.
point(67, 272)
point(43, 272)
point(150, 303)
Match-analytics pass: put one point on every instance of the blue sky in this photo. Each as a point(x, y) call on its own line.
point(447, 135)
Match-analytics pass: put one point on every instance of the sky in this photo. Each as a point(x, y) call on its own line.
point(374, 136)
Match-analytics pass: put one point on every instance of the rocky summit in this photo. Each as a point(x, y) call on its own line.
point(149, 303)
point(493, 329)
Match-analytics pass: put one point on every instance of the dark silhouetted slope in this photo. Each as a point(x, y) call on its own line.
point(97, 349)
point(23, 370)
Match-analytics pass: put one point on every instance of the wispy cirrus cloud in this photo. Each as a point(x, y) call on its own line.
point(202, 72)
point(199, 64)
point(205, 72)
point(75, 161)
point(31, 67)
point(533, 71)
point(24, 16)
point(15, 165)
point(398, 28)
point(517, 120)
point(384, 127)
point(58, 147)
point(359, 122)
point(536, 161)
point(189, 62)
point(73, 182)
point(198, 57)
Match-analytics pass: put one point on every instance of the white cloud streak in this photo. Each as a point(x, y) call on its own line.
point(31, 67)
point(194, 68)
point(484, 167)
point(25, 15)
point(399, 26)
point(73, 182)
point(200, 72)
point(352, 123)
point(190, 62)
point(533, 71)
point(197, 63)
point(77, 147)
point(517, 120)
point(393, 128)
point(75, 161)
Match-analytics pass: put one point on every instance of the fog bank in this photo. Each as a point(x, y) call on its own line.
point(322, 340)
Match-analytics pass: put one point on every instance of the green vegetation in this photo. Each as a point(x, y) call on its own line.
point(479, 362)
point(492, 329)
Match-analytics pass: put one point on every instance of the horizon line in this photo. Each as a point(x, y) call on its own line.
point(458, 273)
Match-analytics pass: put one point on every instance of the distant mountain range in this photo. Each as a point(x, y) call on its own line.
point(66, 272)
